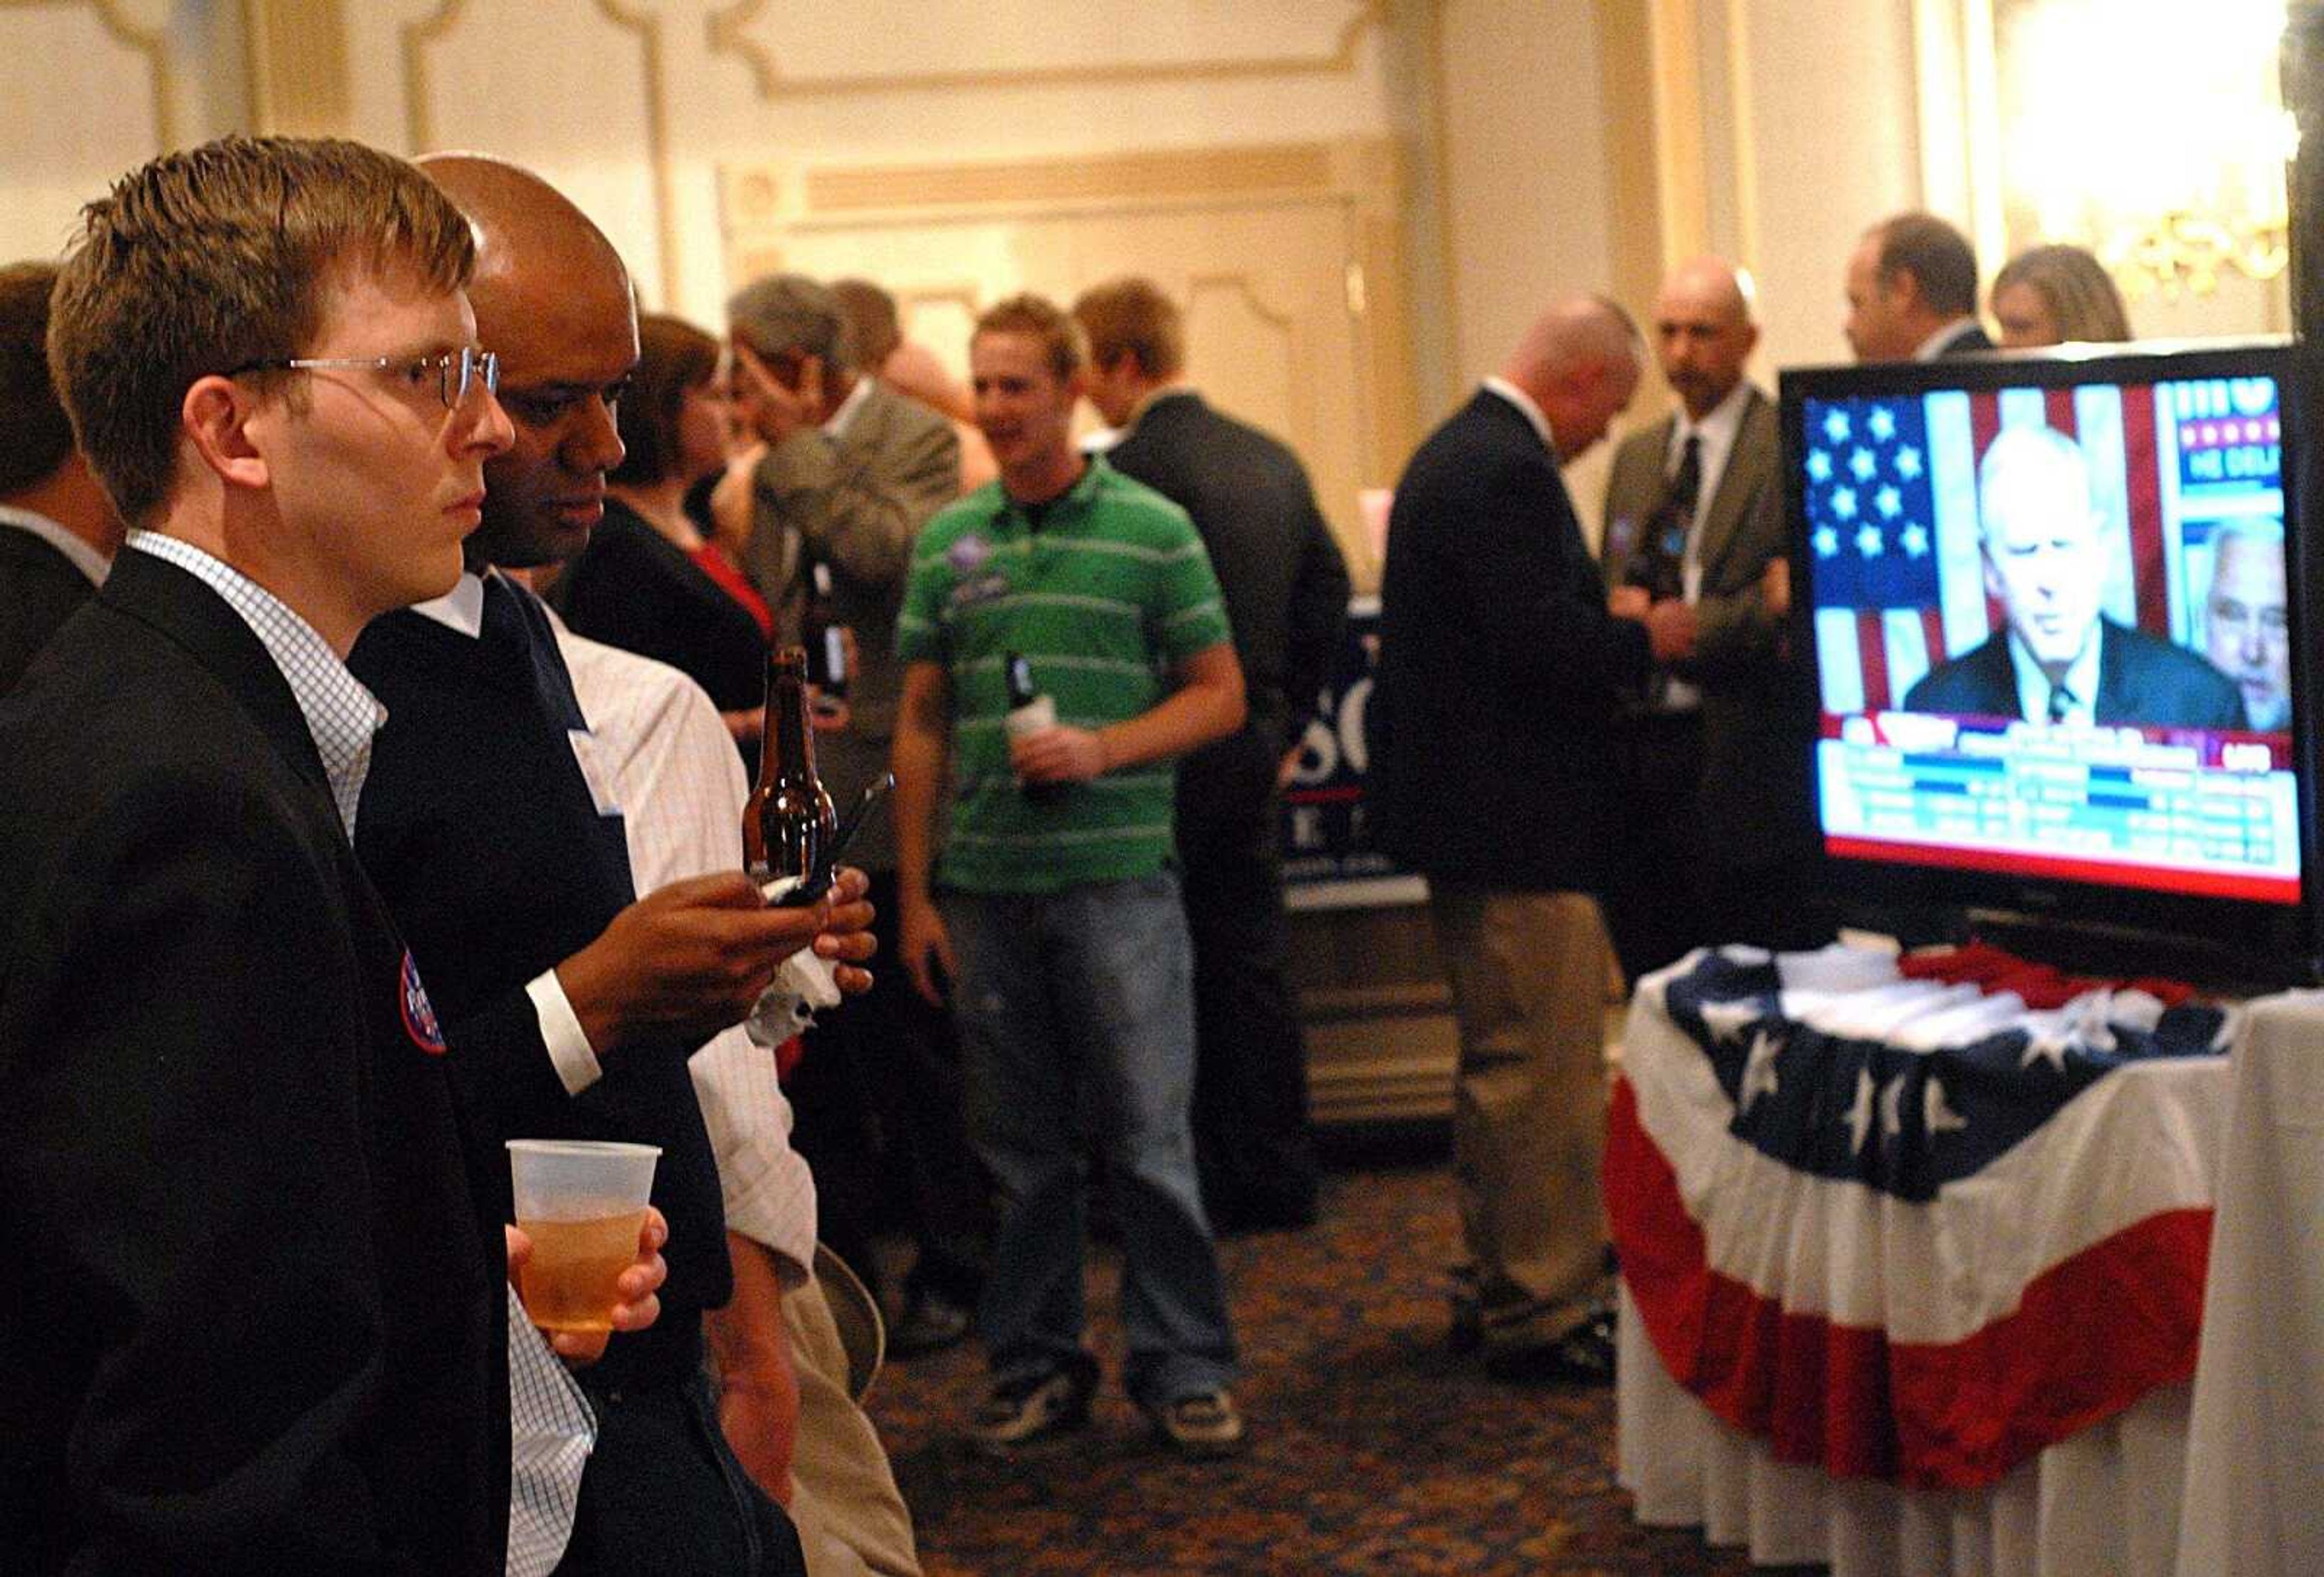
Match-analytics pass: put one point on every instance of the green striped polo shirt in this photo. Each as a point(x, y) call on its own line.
point(1104, 598)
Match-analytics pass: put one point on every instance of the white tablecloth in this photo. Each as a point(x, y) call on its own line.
point(2102, 1504)
point(2254, 1486)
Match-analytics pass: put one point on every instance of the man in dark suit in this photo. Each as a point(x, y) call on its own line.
point(1492, 726)
point(2055, 659)
point(1715, 750)
point(850, 472)
point(265, 1330)
point(1912, 293)
point(1287, 593)
point(489, 825)
point(58, 531)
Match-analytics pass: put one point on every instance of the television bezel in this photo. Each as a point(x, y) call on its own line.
point(2132, 928)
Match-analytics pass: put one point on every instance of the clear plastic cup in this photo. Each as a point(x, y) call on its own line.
point(583, 1202)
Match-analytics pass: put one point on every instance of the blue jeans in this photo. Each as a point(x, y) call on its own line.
point(1076, 1015)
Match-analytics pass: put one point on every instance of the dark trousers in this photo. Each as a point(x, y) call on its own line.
point(1253, 1150)
point(877, 1102)
point(663, 1494)
point(1655, 905)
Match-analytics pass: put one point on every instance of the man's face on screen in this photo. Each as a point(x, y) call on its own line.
point(2042, 558)
point(2244, 630)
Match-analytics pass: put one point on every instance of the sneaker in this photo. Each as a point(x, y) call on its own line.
point(1037, 1402)
point(1204, 1424)
point(929, 1323)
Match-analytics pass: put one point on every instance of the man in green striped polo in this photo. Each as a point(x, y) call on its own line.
point(1053, 914)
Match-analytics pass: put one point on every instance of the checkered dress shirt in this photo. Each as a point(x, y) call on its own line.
point(551, 1426)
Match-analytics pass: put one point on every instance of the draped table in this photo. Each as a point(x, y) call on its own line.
point(2255, 1501)
point(1913, 1267)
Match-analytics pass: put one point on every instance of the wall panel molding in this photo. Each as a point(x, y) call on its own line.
point(731, 33)
point(427, 32)
point(149, 41)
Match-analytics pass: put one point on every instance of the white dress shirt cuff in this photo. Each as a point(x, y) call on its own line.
point(560, 1031)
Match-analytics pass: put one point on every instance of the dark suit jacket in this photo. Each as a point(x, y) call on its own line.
point(1972, 341)
point(1285, 583)
point(482, 831)
point(257, 1321)
point(634, 588)
point(40, 589)
point(2141, 680)
point(1494, 704)
point(1284, 580)
point(1758, 722)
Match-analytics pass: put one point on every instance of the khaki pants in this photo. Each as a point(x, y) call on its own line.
point(851, 1517)
point(1528, 973)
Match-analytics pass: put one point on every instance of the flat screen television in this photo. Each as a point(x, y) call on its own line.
point(2056, 607)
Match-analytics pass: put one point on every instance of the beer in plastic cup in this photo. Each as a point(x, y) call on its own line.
point(583, 1202)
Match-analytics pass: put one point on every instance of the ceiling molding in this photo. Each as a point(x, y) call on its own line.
point(731, 33)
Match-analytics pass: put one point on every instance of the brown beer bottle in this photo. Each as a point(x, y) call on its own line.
point(789, 816)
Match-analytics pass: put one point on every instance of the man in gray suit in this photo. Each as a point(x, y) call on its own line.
point(1715, 750)
point(850, 472)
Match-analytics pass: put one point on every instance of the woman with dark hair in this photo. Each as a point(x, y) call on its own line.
point(642, 584)
point(2054, 294)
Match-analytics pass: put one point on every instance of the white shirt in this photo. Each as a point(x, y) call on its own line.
point(675, 768)
point(2080, 683)
point(1523, 402)
point(845, 415)
point(1937, 344)
point(84, 557)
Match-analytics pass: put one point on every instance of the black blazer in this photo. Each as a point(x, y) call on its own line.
point(1494, 704)
point(2141, 680)
point(1284, 582)
point(261, 1326)
point(40, 589)
point(482, 833)
point(634, 588)
point(1972, 340)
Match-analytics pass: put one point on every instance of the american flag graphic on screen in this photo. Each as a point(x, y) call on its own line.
point(1872, 538)
point(1891, 491)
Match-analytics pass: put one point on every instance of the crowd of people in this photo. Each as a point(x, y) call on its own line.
point(386, 617)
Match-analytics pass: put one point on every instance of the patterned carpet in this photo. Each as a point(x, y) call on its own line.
point(1374, 1450)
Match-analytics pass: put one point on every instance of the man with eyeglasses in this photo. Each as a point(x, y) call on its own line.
point(491, 824)
point(265, 1332)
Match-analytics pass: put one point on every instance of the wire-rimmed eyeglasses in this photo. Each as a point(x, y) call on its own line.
point(455, 372)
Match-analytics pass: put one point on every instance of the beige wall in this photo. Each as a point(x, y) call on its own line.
point(1545, 144)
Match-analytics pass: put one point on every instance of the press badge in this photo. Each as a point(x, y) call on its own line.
point(594, 771)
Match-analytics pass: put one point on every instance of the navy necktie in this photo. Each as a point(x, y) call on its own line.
point(515, 627)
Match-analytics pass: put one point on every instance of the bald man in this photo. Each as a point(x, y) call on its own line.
point(1490, 730)
point(491, 824)
point(1715, 750)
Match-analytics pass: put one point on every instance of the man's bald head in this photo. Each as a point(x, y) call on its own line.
point(1579, 363)
point(553, 299)
point(1703, 332)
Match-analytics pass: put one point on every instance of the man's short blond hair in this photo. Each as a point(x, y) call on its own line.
point(1040, 318)
point(1131, 317)
point(207, 259)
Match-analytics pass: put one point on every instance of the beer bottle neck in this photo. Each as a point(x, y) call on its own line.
point(787, 754)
